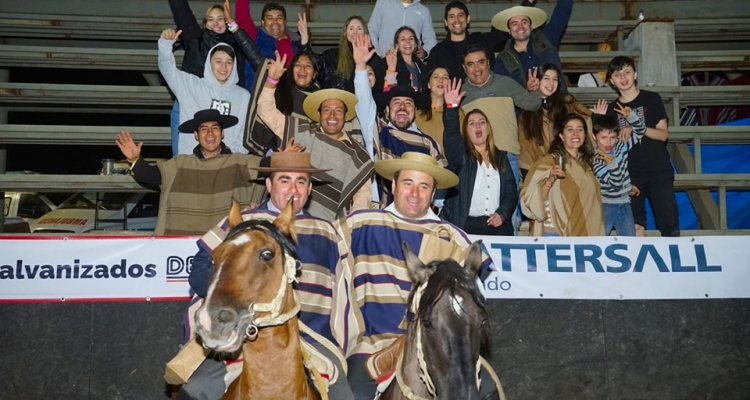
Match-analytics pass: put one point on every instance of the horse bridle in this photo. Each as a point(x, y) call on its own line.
point(273, 308)
point(424, 374)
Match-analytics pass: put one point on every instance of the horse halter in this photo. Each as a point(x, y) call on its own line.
point(424, 374)
point(274, 317)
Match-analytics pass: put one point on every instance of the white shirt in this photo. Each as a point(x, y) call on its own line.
point(430, 216)
point(486, 195)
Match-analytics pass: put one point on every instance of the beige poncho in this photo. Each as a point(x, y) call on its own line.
point(573, 206)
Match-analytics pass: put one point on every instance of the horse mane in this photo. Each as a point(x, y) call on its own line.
point(287, 243)
point(450, 276)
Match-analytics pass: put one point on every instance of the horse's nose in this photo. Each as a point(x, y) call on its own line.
point(226, 316)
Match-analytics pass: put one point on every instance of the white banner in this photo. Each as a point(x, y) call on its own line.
point(619, 267)
point(95, 268)
point(35, 268)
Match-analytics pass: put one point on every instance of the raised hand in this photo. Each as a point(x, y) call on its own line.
point(127, 146)
point(532, 82)
point(228, 12)
point(625, 133)
point(361, 51)
point(601, 107)
point(391, 58)
point(607, 158)
point(292, 147)
point(171, 34)
point(453, 92)
point(276, 67)
point(622, 110)
point(302, 28)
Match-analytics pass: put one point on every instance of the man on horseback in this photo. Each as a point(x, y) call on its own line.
point(379, 273)
point(323, 261)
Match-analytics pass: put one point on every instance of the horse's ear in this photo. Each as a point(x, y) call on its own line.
point(285, 220)
point(474, 258)
point(235, 215)
point(418, 271)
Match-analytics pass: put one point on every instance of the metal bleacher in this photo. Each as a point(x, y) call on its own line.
point(127, 43)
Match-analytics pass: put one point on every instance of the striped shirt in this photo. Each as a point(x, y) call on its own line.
point(321, 287)
point(614, 177)
point(380, 279)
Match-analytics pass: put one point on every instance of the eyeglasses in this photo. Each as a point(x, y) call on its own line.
point(213, 128)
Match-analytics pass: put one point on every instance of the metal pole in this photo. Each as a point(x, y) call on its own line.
point(4, 74)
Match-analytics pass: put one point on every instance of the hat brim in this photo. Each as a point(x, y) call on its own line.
point(313, 100)
point(537, 16)
point(226, 121)
point(300, 170)
point(421, 100)
point(444, 178)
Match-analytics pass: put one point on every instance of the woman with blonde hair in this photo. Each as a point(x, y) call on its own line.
point(561, 192)
point(486, 195)
point(337, 64)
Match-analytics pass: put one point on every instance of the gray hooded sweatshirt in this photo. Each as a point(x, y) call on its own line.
point(389, 15)
point(195, 94)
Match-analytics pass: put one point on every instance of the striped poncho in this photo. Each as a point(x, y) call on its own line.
point(321, 286)
point(197, 193)
point(380, 280)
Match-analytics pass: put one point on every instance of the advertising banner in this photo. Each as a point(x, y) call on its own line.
point(120, 268)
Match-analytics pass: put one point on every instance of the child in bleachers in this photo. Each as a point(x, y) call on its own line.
point(611, 166)
point(650, 168)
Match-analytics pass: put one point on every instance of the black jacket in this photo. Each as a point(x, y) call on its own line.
point(458, 200)
point(198, 41)
point(328, 61)
point(404, 76)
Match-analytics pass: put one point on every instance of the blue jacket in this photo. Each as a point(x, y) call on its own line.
point(267, 45)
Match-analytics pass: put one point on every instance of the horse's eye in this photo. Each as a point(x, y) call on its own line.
point(266, 255)
point(484, 322)
point(427, 323)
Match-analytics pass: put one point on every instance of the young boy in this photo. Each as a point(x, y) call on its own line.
point(650, 168)
point(611, 168)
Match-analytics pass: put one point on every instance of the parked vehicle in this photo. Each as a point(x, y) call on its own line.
point(85, 212)
point(26, 205)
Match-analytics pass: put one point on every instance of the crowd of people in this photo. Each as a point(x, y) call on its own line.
point(399, 131)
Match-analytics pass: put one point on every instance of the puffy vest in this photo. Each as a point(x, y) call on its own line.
point(544, 51)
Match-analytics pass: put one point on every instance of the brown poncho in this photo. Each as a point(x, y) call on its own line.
point(573, 206)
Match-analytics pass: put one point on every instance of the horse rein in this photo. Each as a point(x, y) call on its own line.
point(424, 374)
point(274, 317)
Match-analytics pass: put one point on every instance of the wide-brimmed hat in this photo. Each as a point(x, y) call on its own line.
point(285, 161)
point(226, 121)
point(537, 16)
point(314, 99)
point(413, 161)
point(421, 100)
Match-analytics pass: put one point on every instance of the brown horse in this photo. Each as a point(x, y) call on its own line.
point(251, 305)
point(447, 329)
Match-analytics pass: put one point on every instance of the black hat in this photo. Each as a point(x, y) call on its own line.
point(421, 100)
point(226, 121)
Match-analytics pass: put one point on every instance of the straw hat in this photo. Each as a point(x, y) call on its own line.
point(537, 16)
point(314, 99)
point(191, 125)
point(413, 161)
point(286, 161)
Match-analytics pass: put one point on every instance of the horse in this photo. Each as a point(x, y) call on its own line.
point(252, 306)
point(447, 328)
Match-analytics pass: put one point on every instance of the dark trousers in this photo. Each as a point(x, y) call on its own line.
point(478, 226)
point(659, 190)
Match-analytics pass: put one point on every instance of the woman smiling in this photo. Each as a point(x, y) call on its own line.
point(561, 192)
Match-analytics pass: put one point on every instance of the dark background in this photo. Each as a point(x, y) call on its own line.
point(541, 349)
point(77, 159)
